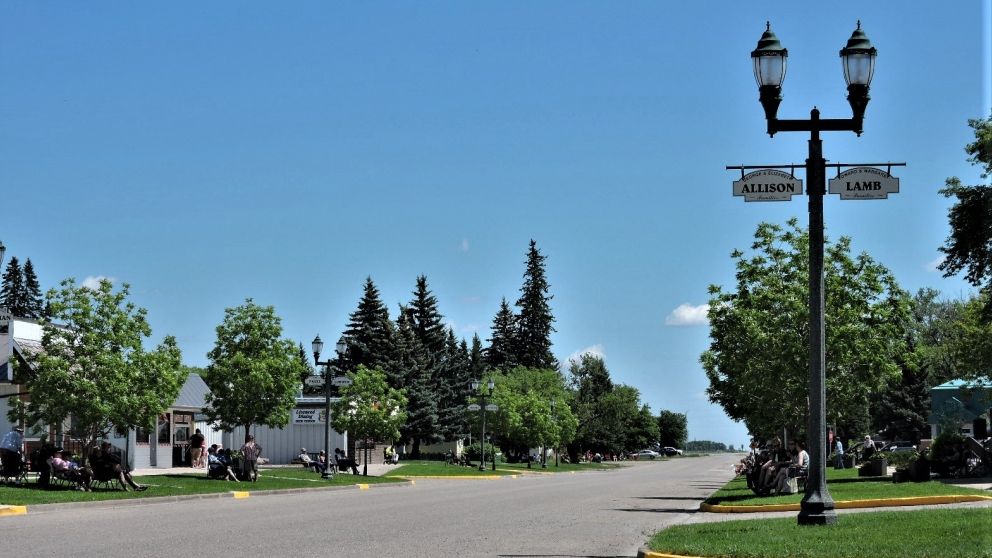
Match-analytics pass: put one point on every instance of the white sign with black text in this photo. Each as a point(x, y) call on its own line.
point(864, 183)
point(768, 185)
point(308, 416)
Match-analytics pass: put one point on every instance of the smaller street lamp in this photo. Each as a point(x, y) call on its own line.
point(769, 61)
point(476, 387)
point(318, 346)
point(858, 58)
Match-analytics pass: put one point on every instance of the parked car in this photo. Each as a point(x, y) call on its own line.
point(899, 446)
point(670, 451)
point(645, 454)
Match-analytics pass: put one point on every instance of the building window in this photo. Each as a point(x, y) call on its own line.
point(164, 429)
point(141, 437)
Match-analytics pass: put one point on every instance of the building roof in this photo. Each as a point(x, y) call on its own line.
point(956, 384)
point(193, 394)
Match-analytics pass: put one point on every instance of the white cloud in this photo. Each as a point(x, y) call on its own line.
point(93, 281)
point(464, 245)
point(461, 330)
point(595, 350)
point(688, 315)
point(932, 265)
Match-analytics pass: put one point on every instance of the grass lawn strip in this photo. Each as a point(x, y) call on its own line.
point(953, 533)
point(844, 485)
point(178, 485)
point(437, 469)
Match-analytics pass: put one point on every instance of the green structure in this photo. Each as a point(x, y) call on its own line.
point(966, 403)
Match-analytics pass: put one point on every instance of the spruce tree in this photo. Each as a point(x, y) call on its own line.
point(369, 333)
point(12, 290)
point(422, 423)
point(426, 320)
point(33, 303)
point(533, 340)
point(476, 359)
point(452, 379)
point(500, 353)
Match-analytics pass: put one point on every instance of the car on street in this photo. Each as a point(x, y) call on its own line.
point(670, 451)
point(645, 454)
point(899, 447)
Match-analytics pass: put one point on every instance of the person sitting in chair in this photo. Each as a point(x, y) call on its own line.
point(71, 471)
point(107, 465)
point(304, 457)
point(218, 467)
point(341, 458)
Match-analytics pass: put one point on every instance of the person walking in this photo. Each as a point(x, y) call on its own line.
point(249, 453)
point(196, 442)
point(11, 451)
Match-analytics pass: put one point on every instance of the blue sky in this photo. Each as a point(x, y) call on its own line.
point(206, 153)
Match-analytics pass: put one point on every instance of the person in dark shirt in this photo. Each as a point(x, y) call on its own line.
point(196, 442)
point(107, 465)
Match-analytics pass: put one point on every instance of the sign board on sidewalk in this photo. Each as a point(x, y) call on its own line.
point(768, 185)
point(864, 183)
point(314, 381)
point(341, 381)
point(492, 407)
point(308, 416)
point(474, 407)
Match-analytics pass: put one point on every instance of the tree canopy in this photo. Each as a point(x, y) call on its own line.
point(253, 373)
point(757, 363)
point(93, 366)
point(968, 248)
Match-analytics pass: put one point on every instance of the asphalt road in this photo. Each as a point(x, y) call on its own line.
point(584, 514)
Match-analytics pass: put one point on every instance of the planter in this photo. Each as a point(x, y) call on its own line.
point(919, 470)
point(849, 460)
point(874, 468)
point(900, 475)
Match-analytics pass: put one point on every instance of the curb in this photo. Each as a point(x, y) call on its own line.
point(235, 494)
point(460, 477)
point(851, 504)
point(645, 553)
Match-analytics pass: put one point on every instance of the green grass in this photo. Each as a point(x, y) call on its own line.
point(954, 533)
point(438, 469)
point(843, 484)
point(178, 485)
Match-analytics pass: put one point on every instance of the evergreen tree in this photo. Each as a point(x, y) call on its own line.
point(422, 424)
point(12, 293)
point(426, 320)
point(500, 353)
point(476, 359)
point(33, 303)
point(453, 385)
point(369, 333)
point(533, 340)
point(307, 370)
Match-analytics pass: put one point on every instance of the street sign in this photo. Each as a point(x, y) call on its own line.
point(768, 185)
point(864, 183)
point(341, 381)
point(314, 381)
point(474, 407)
point(492, 407)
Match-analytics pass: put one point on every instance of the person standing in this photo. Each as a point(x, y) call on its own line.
point(249, 453)
point(11, 450)
point(196, 442)
point(868, 448)
point(838, 454)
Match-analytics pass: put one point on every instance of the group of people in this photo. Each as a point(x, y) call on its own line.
point(320, 465)
point(220, 462)
point(773, 469)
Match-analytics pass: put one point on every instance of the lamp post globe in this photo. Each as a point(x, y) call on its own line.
point(769, 60)
point(318, 347)
point(342, 345)
point(858, 60)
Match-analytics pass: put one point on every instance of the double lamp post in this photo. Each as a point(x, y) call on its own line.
point(318, 346)
point(858, 58)
point(483, 394)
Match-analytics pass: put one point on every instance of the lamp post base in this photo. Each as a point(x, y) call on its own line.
point(816, 513)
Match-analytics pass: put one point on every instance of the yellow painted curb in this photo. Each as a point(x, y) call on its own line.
point(13, 510)
point(362, 486)
point(649, 554)
point(851, 504)
point(240, 494)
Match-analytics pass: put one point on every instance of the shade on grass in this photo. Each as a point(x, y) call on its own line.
point(953, 533)
point(843, 484)
point(438, 469)
point(179, 485)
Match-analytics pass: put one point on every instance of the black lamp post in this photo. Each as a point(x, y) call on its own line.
point(858, 57)
point(318, 346)
point(3, 250)
point(554, 417)
point(477, 387)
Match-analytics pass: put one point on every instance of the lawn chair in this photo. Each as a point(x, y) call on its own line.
point(13, 470)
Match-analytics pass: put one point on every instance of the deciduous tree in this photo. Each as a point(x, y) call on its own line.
point(369, 409)
point(253, 372)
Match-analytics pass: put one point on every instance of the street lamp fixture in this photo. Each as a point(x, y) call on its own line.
point(318, 346)
point(476, 386)
point(769, 59)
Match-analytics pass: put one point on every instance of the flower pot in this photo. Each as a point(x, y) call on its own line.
point(874, 468)
point(919, 470)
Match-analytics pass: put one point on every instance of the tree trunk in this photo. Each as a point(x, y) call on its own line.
point(247, 431)
point(415, 452)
